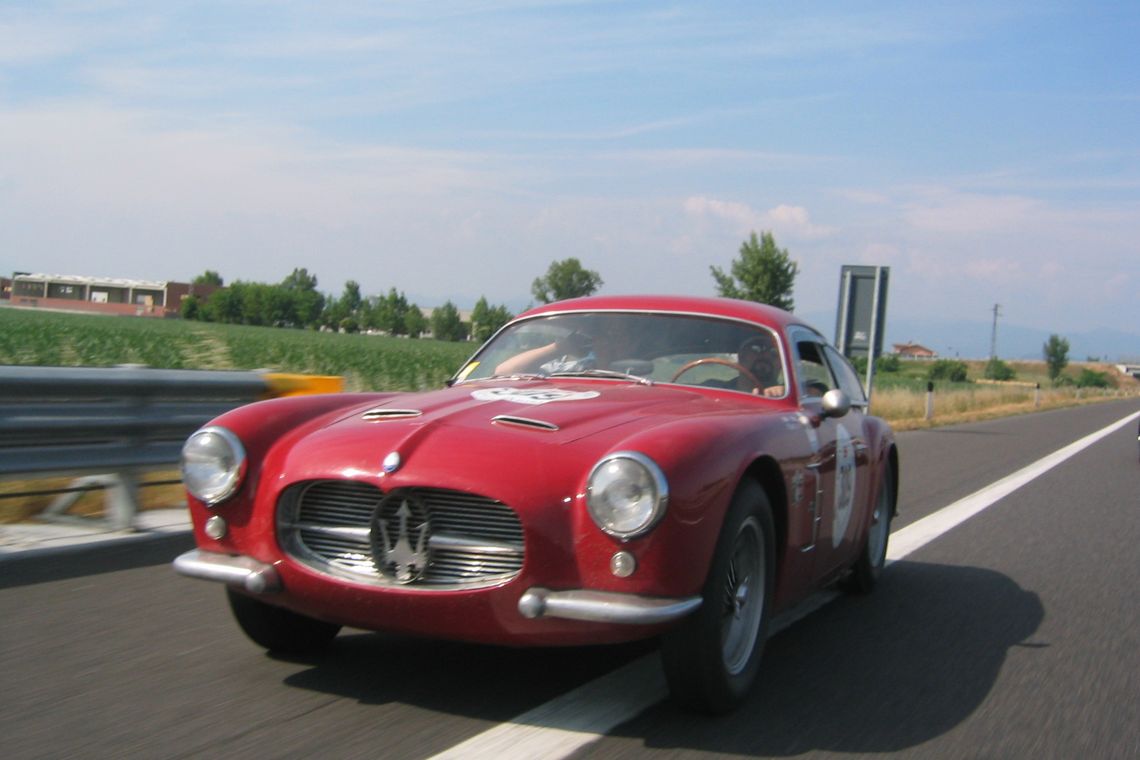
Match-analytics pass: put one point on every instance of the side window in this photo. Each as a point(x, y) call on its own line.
point(815, 377)
point(848, 380)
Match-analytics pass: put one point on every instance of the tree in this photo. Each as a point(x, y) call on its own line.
point(307, 302)
point(415, 324)
point(191, 308)
point(224, 306)
point(565, 279)
point(762, 273)
point(446, 323)
point(209, 277)
point(345, 313)
point(351, 298)
point(1056, 351)
point(392, 313)
point(485, 320)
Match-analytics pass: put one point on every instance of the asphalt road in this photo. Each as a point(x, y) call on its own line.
point(1014, 635)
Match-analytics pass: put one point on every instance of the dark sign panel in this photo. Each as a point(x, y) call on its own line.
point(862, 315)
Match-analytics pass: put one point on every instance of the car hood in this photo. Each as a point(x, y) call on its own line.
point(562, 411)
point(486, 426)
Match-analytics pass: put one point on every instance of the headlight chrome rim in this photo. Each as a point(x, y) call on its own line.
point(641, 519)
point(213, 488)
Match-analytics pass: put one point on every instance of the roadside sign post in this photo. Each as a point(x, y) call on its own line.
point(861, 317)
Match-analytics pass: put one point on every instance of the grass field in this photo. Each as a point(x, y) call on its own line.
point(367, 362)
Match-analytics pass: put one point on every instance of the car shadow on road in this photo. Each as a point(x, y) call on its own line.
point(470, 680)
point(870, 674)
point(863, 674)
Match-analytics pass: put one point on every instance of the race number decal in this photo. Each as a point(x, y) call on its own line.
point(531, 397)
point(844, 484)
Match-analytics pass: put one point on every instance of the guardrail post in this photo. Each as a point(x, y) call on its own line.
point(929, 401)
point(120, 501)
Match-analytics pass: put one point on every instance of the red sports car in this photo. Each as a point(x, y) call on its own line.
point(602, 469)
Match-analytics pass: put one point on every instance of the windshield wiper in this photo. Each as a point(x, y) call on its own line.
point(519, 376)
point(604, 373)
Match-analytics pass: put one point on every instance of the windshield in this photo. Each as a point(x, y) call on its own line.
point(659, 347)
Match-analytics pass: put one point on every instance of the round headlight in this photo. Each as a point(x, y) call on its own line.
point(626, 494)
point(213, 464)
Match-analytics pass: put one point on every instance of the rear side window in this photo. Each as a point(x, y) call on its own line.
point(845, 374)
point(815, 377)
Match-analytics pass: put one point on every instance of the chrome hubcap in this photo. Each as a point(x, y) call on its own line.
point(743, 600)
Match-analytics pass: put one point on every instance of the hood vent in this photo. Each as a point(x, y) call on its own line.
point(381, 414)
point(526, 422)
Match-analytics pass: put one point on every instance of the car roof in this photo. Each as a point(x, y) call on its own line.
point(730, 308)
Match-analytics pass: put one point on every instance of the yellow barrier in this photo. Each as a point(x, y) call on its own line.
point(281, 384)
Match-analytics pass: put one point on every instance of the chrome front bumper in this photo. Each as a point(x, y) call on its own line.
point(243, 572)
point(605, 606)
point(592, 606)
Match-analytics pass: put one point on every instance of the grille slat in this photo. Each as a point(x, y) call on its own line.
point(474, 541)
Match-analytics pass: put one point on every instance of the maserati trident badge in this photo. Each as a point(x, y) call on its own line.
point(400, 533)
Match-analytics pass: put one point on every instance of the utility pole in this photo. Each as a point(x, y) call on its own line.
point(993, 335)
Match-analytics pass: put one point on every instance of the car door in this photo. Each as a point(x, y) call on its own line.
point(839, 458)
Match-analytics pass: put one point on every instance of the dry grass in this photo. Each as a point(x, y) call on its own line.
point(906, 409)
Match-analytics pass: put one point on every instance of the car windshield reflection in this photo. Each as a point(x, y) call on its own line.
point(659, 348)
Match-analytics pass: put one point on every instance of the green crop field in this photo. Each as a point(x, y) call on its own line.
point(367, 362)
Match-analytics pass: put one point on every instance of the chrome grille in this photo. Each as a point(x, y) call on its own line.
point(473, 540)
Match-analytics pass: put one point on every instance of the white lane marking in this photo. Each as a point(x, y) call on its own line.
point(573, 720)
point(586, 714)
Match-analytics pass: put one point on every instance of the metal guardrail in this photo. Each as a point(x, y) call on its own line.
point(111, 424)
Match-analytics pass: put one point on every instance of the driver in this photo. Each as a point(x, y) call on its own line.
point(760, 356)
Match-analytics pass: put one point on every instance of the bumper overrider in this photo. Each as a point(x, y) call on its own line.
point(575, 604)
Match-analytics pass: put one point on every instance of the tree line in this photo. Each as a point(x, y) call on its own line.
point(297, 303)
point(763, 272)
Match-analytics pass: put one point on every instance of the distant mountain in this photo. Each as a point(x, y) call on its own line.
point(971, 340)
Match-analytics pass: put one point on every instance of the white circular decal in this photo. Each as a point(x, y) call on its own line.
point(532, 397)
point(844, 484)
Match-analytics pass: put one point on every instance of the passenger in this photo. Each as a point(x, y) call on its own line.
point(577, 351)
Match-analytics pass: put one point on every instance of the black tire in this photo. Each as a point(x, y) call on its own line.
point(866, 570)
point(278, 629)
point(711, 660)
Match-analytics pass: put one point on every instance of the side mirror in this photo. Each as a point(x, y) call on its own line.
point(836, 403)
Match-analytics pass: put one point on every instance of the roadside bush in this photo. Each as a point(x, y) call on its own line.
point(996, 369)
point(888, 363)
point(1090, 378)
point(948, 369)
point(885, 363)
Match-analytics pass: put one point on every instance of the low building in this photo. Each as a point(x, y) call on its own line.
point(104, 295)
point(914, 351)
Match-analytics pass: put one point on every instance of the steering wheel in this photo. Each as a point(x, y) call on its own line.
point(744, 372)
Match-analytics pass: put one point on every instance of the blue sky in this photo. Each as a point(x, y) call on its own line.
point(987, 153)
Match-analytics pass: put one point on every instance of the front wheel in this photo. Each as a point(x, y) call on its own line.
point(712, 659)
point(278, 629)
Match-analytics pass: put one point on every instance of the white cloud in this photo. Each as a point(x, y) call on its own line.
point(783, 220)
